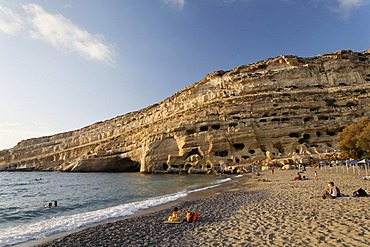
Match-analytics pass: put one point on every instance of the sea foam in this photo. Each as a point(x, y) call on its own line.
point(27, 232)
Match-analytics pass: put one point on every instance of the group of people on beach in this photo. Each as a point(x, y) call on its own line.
point(332, 191)
point(299, 177)
point(189, 217)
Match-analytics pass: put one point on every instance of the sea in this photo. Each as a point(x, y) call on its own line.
point(84, 199)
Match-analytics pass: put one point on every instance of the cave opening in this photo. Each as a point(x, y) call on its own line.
point(216, 126)
point(190, 132)
point(203, 128)
point(194, 151)
point(164, 166)
point(294, 135)
point(330, 133)
point(222, 153)
point(239, 146)
point(114, 164)
point(301, 140)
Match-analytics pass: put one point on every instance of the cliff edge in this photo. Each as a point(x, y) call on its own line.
point(266, 110)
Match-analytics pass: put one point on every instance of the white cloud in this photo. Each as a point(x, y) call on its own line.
point(63, 33)
point(10, 23)
point(175, 3)
point(348, 5)
point(56, 30)
point(345, 7)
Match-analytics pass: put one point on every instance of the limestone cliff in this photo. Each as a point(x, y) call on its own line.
point(272, 108)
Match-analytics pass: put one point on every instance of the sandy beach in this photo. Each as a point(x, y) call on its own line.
point(266, 210)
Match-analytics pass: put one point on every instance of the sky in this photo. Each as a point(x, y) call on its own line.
point(67, 64)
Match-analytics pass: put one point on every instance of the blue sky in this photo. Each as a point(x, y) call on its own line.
point(67, 64)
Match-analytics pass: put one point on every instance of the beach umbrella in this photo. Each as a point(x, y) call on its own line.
point(352, 163)
point(365, 162)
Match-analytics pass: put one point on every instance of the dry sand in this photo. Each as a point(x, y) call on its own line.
point(272, 211)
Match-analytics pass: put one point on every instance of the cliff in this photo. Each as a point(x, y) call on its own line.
point(270, 109)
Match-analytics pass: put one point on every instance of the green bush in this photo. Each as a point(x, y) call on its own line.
point(354, 140)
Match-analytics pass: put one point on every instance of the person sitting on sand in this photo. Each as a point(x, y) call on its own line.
point(338, 191)
point(331, 192)
point(175, 216)
point(298, 177)
point(191, 217)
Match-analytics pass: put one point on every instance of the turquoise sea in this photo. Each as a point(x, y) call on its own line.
point(83, 199)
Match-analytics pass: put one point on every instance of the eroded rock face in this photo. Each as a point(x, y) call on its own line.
point(270, 109)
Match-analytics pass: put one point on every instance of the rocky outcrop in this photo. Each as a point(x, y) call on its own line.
point(267, 110)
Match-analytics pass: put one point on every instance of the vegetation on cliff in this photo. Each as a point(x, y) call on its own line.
point(354, 140)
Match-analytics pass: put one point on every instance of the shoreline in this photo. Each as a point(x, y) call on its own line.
point(270, 210)
point(166, 207)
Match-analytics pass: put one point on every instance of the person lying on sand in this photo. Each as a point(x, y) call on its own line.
point(331, 192)
point(360, 192)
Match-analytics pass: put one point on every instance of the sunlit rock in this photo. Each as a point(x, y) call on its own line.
point(230, 121)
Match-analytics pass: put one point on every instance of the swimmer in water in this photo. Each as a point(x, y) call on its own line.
point(51, 205)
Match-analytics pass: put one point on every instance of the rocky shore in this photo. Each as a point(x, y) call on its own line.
point(266, 210)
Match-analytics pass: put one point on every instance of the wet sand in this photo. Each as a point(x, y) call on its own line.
point(268, 210)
